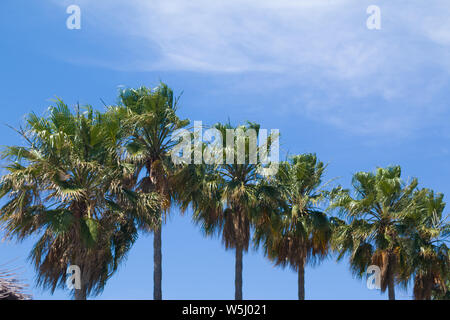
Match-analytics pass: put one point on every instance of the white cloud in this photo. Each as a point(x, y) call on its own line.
point(322, 41)
point(242, 35)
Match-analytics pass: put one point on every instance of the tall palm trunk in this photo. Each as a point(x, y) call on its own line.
point(157, 254)
point(301, 282)
point(157, 264)
point(238, 274)
point(391, 283)
point(391, 289)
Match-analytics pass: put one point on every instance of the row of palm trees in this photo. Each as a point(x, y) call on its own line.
point(87, 182)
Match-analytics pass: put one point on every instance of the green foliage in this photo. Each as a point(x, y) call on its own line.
point(394, 225)
point(148, 120)
point(224, 195)
point(85, 182)
point(425, 242)
point(293, 229)
point(67, 186)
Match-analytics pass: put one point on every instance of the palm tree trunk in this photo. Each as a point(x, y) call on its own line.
point(238, 274)
point(157, 264)
point(391, 288)
point(301, 283)
point(80, 294)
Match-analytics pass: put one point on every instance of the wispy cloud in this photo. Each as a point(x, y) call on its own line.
point(321, 42)
point(242, 35)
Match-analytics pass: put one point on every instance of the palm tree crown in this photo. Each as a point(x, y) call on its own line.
point(297, 231)
point(376, 219)
point(427, 253)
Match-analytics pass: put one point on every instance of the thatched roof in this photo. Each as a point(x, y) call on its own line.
point(11, 288)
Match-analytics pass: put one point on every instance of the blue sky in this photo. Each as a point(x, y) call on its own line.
point(358, 98)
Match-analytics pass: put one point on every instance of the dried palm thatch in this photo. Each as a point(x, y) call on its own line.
point(11, 288)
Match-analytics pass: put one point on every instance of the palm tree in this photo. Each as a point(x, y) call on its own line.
point(427, 258)
point(223, 195)
point(376, 218)
point(67, 186)
point(149, 120)
point(297, 232)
